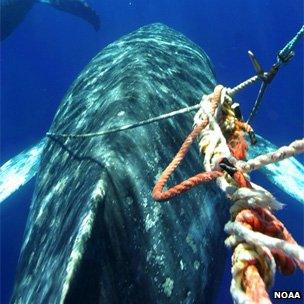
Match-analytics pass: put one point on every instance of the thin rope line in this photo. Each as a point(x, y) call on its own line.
point(128, 126)
point(257, 102)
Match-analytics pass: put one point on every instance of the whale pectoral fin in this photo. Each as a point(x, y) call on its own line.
point(78, 8)
point(19, 170)
point(288, 174)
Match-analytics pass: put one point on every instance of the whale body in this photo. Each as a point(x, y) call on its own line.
point(94, 233)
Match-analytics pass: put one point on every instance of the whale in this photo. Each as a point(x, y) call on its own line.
point(13, 12)
point(94, 233)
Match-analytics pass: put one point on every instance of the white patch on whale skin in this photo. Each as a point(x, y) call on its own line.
point(84, 232)
point(121, 113)
point(196, 264)
point(168, 287)
point(191, 243)
point(42, 213)
point(152, 218)
point(182, 265)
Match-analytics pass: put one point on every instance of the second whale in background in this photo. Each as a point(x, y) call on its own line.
point(14, 11)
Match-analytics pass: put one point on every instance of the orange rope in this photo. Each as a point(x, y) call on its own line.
point(238, 148)
point(241, 180)
point(243, 126)
point(193, 181)
point(286, 265)
point(254, 285)
point(157, 193)
point(238, 145)
point(263, 221)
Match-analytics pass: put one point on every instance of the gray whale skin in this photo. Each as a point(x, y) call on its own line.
point(94, 234)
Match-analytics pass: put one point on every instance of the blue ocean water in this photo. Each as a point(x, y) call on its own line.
point(47, 51)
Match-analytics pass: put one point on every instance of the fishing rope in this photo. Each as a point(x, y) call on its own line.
point(194, 180)
point(128, 126)
point(242, 85)
point(212, 144)
point(284, 152)
point(260, 242)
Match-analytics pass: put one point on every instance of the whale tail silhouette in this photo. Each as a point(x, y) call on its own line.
point(78, 8)
point(12, 14)
point(14, 11)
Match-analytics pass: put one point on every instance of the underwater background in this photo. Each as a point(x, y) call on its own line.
point(44, 55)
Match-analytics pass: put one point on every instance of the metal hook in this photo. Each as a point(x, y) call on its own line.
point(256, 65)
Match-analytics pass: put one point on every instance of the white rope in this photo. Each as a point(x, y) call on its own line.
point(211, 139)
point(251, 198)
point(258, 239)
point(242, 85)
point(245, 254)
point(284, 152)
point(128, 126)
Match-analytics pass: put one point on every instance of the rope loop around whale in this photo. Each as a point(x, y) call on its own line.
point(210, 107)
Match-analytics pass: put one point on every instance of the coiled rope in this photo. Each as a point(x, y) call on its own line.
point(259, 240)
point(194, 180)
